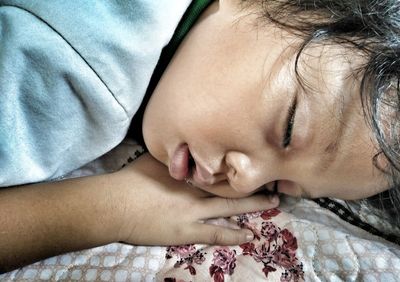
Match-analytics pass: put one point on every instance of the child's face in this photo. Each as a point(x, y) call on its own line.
point(227, 95)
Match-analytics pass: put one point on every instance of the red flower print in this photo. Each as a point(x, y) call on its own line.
point(267, 269)
point(293, 274)
point(243, 222)
point(217, 274)
point(183, 251)
point(276, 249)
point(224, 262)
point(269, 230)
point(225, 259)
point(268, 214)
point(273, 249)
point(283, 258)
point(192, 270)
point(186, 254)
point(289, 241)
point(248, 248)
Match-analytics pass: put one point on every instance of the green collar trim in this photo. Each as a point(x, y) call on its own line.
point(189, 18)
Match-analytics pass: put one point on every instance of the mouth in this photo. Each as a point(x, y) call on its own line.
point(184, 166)
point(191, 163)
point(275, 187)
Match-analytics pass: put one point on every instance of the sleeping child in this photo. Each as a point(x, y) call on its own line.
point(235, 102)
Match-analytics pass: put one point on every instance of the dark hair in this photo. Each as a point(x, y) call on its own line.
point(372, 27)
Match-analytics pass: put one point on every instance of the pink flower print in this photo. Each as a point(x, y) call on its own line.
point(186, 255)
point(243, 222)
point(295, 274)
point(269, 230)
point(183, 251)
point(275, 250)
point(225, 259)
point(263, 253)
point(283, 258)
point(253, 228)
point(224, 262)
point(244, 218)
point(252, 215)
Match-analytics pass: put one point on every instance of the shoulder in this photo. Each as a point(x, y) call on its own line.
point(73, 73)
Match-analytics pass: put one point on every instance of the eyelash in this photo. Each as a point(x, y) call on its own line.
point(287, 138)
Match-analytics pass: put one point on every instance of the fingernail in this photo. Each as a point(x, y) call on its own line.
point(274, 199)
point(249, 236)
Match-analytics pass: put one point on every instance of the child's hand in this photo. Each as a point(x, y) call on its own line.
point(158, 210)
point(141, 204)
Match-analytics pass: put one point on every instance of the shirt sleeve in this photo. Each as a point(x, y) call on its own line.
point(72, 75)
point(56, 113)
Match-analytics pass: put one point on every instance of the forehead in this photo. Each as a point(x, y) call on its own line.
point(311, 67)
point(309, 51)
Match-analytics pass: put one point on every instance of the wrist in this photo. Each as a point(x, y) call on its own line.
point(131, 195)
point(91, 210)
point(107, 210)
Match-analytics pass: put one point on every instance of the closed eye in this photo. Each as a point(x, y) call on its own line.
point(287, 136)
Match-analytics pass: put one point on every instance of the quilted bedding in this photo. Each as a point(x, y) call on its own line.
point(299, 241)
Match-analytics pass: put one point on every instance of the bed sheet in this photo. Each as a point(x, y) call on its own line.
point(299, 241)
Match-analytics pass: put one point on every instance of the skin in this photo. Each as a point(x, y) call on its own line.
point(226, 94)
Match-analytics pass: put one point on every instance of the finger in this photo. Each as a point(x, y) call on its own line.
point(224, 207)
point(226, 222)
point(218, 235)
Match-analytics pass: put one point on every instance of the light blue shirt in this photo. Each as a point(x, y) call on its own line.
point(72, 75)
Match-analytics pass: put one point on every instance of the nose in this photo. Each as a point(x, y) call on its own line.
point(243, 174)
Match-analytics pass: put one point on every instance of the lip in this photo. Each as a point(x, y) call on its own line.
point(179, 163)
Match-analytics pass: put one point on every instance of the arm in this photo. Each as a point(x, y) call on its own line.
point(140, 204)
point(42, 220)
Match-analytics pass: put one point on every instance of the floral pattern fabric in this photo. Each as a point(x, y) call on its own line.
point(271, 255)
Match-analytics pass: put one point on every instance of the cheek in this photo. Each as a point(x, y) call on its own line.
point(202, 115)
